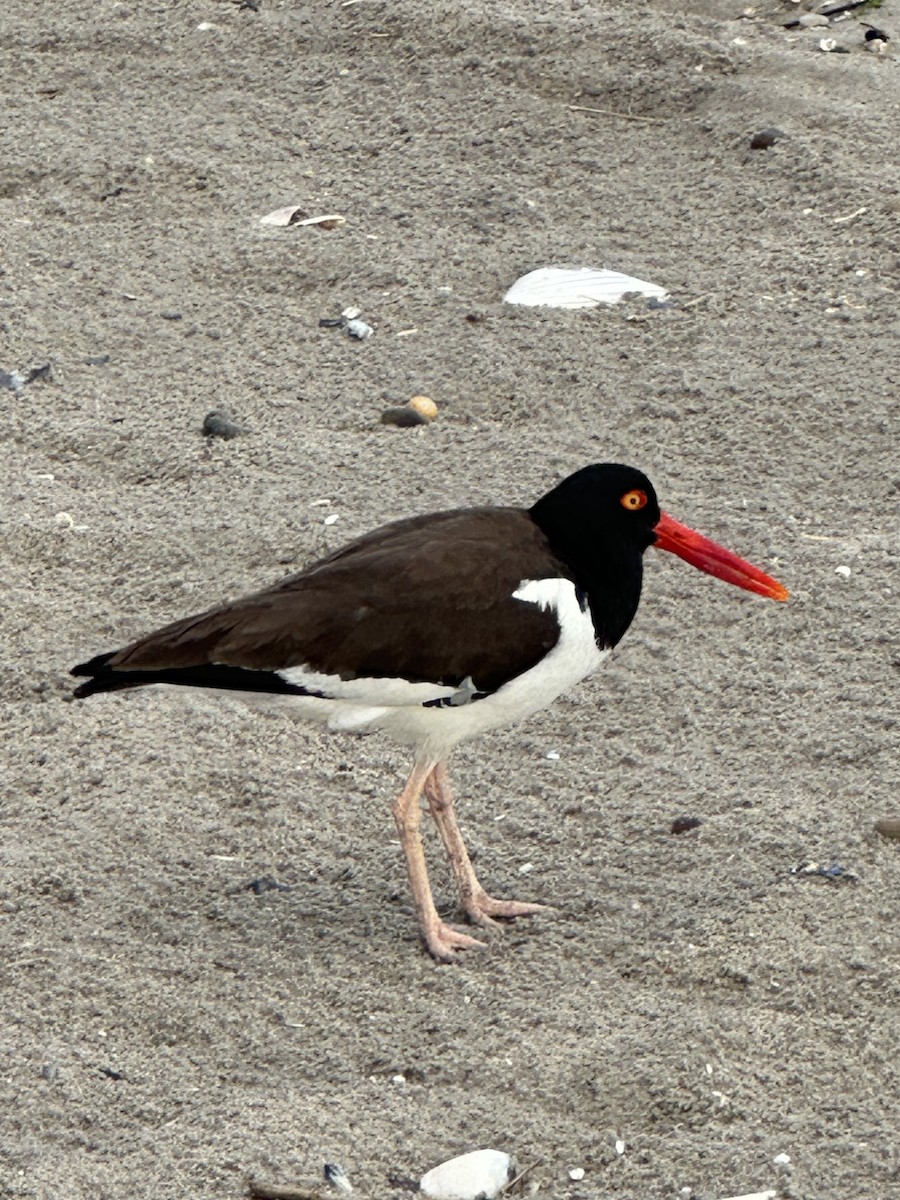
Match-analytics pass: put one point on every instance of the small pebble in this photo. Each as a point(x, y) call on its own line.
point(403, 418)
point(218, 423)
point(684, 824)
point(171, 316)
point(812, 21)
point(889, 827)
point(576, 1173)
point(424, 405)
point(765, 138)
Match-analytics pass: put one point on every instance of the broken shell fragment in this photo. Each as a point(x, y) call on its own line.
point(424, 405)
point(403, 417)
point(577, 287)
point(337, 1177)
point(359, 329)
point(482, 1173)
point(294, 215)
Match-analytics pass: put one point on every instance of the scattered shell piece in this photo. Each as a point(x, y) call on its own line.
point(331, 519)
point(424, 405)
point(482, 1173)
point(845, 571)
point(351, 313)
point(328, 221)
point(218, 423)
point(769, 1195)
point(403, 417)
point(620, 1145)
point(577, 287)
point(553, 755)
point(337, 1177)
point(359, 329)
point(576, 1173)
point(832, 46)
point(526, 868)
point(14, 381)
point(781, 1160)
point(293, 214)
point(889, 827)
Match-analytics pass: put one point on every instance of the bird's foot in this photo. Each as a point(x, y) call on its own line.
point(444, 943)
point(482, 908)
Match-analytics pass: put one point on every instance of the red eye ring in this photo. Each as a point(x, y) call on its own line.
point(633, 500)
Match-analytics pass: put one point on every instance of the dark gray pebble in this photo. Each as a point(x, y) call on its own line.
point(403, 417)
point(765, 138)
point(219, 424)
point(685, 824)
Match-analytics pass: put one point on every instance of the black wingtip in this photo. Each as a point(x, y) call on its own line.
point(101, 677)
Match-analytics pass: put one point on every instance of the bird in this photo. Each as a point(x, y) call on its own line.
point(437, 629)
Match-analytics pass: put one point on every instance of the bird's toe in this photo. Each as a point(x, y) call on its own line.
point(444, 942)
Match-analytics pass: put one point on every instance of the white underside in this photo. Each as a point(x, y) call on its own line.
point(396, 705)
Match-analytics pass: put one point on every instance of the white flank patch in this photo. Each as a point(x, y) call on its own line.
point(380, 693)
point(399, 707)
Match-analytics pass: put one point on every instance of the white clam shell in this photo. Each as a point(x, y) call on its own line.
point(480, 1175)
point(577, 287)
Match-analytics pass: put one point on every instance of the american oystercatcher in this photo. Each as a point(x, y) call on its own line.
point(436, 629)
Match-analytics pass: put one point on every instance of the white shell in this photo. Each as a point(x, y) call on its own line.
point(479, 1175)
point(285, 216)
point(359, 329)
point(577, 287)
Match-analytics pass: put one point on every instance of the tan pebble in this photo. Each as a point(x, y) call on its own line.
point(403, 417)
point(424, 405)
point(889, 827)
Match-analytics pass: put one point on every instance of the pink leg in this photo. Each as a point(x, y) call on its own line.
point(443, 942)
point(480, 907)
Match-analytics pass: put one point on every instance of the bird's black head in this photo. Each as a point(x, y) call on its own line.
point(604, 508)
point(600, 521)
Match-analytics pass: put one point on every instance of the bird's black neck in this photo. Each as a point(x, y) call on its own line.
point(605, 567)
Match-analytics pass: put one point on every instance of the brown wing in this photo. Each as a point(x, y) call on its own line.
point(427, 599)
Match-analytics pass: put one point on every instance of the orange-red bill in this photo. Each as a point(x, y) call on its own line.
point(708, 556)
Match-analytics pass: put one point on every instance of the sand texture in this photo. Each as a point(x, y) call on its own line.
point(697, 1004)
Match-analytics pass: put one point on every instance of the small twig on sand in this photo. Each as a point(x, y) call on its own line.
point(277, 1191)
point(525, 1170)
point(611, 112)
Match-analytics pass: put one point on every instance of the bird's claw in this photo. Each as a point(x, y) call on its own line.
point(482, 909)
point(444, 942)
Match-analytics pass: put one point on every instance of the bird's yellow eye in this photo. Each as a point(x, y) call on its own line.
point(634, 499)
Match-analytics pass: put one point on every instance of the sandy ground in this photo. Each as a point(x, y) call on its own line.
point(168, 1032)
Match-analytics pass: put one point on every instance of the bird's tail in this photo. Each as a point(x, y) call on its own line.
point(102, 676)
